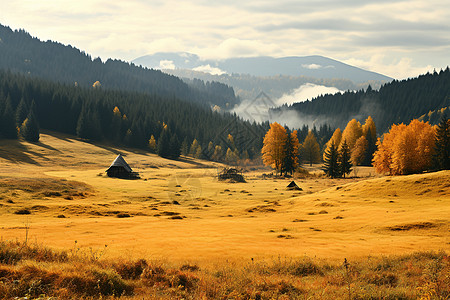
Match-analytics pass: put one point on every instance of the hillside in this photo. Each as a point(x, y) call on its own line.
point(20, 52)
point(395, 102)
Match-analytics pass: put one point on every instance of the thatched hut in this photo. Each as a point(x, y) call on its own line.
point(120, 169)
point(232, 174)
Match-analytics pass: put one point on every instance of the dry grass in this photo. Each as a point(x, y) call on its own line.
point(56, 192)
point(35, 271)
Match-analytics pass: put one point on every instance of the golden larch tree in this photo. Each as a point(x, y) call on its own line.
point(351, 133)
point(369, 125)
point(359, 151)
point(405, 149)
point(310, 149)
point(273, 150)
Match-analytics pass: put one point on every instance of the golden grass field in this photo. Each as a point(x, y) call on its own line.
point(333, 219)
point(179, 212)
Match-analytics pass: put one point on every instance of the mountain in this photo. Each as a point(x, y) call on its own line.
point(25, 54)
point(309, 66)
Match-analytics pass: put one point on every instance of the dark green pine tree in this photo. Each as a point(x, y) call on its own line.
point(185, 147)
point(21, 112)
point(8, 121)
point(371, 148)
point(330, 163)
point(287, 166)
point(441, 158)
point(175, 148)
point(345, 165)
point(30, 127)
point(164, 144)
point(88, 125)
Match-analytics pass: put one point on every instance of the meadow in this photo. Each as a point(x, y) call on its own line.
point(178, 232)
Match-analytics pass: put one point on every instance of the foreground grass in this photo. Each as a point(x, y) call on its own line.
point(36, 272)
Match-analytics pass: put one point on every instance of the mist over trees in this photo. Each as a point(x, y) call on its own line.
point(396, 102)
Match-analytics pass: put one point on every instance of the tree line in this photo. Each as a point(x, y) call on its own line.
point(122, 117)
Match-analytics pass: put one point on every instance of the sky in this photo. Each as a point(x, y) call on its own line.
point(400, 39)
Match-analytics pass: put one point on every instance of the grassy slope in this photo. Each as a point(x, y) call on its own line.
point(329, 219)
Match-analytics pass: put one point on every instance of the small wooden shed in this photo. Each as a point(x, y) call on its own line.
point(120, 169)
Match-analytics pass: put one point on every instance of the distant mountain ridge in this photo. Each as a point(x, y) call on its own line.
point(311, 66)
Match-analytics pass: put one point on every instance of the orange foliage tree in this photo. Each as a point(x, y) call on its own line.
point(277, 145)
point(406, 149)
point(352, 133)
point(273, 146)
point(310, 149)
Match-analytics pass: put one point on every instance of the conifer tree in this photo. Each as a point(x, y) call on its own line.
point(175, 150)
point(290, 160)
point(185, 147)
point(30, 127)
point(164, 144)
point(330, 162)
point(21, 112)
point(345, 164)
point(441, 158)
point(8, 122)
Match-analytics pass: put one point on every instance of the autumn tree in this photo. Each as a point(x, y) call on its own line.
point(345, 165)
point(405, 149)
point(310, 149)
point(330, 162)
point(352, 132)
point(359, 152)
point(152, 144)
point(273, 150)
point(194, 147)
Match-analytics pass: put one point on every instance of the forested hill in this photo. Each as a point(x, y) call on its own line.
point(20, 52)
point(122, 117)
point(395, 102)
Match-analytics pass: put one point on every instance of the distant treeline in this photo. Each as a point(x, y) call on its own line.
point(54, 61)
point(396, 102)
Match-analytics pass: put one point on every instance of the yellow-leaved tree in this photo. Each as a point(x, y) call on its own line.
point(273, 150)
point(405, 149)
point(310, 149)
point(352, 132)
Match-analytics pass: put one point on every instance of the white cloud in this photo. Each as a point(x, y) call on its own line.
point(312, 66)
point(166, 65)
point(208, 69)
point(305, 92)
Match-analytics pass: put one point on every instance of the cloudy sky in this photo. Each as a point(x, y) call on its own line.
point(397, 38)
